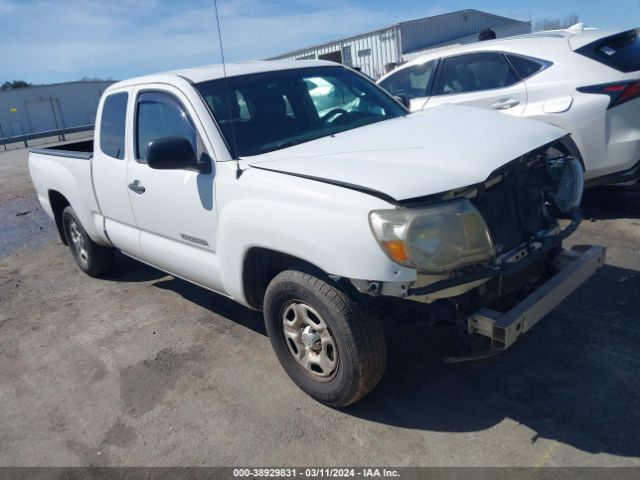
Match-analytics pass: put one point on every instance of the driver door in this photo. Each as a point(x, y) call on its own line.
point(174, 210)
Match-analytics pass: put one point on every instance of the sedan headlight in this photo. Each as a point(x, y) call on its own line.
point(434, 239)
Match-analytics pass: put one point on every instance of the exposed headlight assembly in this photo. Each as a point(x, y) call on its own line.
point(569, 177)
point(435, 239)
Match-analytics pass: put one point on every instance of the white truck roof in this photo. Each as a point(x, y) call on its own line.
point(216, 71)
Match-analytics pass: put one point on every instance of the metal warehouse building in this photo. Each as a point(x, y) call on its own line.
point(401, 42)
point(49, 107)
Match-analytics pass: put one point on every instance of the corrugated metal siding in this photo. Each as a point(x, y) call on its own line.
point(382, 45)
point(396, 43)
point(382, 48)
point(30, 110)
point(419, 34)
point(502, 32)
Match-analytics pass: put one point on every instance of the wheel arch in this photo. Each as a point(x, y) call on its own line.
point(261, 265)
point(569, 142)
point(58, 203)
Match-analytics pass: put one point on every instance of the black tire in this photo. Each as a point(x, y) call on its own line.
point(92, 259)
point(357, 334)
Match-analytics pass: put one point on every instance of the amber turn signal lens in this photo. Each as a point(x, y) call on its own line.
point(436, 238)
point(395, 249)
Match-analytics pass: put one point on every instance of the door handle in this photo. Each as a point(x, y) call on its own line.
point(505, 103)
point(137, 187)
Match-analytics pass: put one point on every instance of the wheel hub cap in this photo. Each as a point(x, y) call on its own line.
point(78, 243)
point(309, 340)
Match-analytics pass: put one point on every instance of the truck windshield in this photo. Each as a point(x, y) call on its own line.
point(263, 112)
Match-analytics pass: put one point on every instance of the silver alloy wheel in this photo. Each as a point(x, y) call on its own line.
point(79, 244)
point(309, 340)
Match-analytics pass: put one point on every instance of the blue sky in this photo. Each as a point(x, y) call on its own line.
point(47, 41)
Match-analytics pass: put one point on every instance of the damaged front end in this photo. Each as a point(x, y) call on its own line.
point(485, 247)
point(523, 204)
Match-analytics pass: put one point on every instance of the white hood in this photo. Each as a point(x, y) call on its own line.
point(427, 152)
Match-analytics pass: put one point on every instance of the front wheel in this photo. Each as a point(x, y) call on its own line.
point(323, 339)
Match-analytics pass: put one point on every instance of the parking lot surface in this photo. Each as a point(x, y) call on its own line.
point(139, 368)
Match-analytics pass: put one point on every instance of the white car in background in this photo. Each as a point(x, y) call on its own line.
point(586, 81)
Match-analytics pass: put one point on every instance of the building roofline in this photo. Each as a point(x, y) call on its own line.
point(383, 29)
point(446, 43)
point(474, 10)
point(31, 87)
point(331, 42)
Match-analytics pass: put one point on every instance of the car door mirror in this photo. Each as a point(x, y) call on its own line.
point(173, 153)
point(403, 98)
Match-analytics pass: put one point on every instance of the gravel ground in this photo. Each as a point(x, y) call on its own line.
point(140, 368)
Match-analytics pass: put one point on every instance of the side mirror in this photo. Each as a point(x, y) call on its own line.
point(403, 98)
point(172, 153)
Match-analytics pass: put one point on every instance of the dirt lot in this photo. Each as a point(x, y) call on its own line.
point(139, 368)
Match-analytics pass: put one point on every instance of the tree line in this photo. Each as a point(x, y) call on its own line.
point(556, 23)
point(10, 85)
point(14, 84)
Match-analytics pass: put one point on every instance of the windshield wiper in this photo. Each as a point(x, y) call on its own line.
point(283, 144)
point(326, 133)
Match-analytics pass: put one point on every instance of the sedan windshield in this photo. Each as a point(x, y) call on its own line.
point(264, 112)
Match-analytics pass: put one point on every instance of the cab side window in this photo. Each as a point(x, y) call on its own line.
point(411, 81)
point(474, 73)
point(160, 115)
point(112, 125)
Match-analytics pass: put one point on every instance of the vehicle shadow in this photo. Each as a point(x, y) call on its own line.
point(574, 378)
point(126, 269)
point(215, 303)
point(603, 203)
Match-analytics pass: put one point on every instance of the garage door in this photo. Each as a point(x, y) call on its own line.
point(42, 115)
point(16, 128)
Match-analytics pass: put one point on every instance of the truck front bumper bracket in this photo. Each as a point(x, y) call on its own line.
point(576, 266)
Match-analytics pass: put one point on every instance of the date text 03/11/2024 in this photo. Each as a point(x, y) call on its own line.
point(316, 472)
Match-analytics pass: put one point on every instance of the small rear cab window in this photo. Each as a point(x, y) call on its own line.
point(621, 51)
point(112, 125)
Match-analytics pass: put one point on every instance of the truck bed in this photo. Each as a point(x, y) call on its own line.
point(63, 174)
point(82, 149)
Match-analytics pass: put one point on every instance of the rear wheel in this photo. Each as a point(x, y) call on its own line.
point(323, 338)
point(93, 259)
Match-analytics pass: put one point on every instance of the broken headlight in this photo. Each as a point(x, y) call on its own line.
point(434, 239)
point(569, 177)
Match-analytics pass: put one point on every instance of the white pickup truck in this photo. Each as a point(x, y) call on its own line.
point(318, 205)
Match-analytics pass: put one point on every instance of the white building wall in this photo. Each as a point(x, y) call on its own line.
point(371, 51)
point(502, 32)
point(49, 107)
